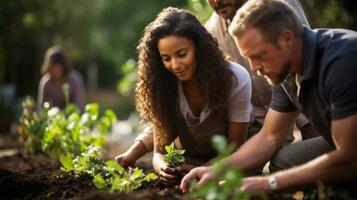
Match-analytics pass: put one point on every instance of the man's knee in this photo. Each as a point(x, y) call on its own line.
point(280, 161)
point(299, 153)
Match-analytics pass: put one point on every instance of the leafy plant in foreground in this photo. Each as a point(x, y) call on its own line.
point(174, 157)
point(56, 132)
point(228, 182)
point(106, 175)
point(76, 140)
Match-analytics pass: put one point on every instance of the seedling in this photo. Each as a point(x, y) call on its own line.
point(174, 157)
point(56, 132)
point(106, 175)
point(76, 140)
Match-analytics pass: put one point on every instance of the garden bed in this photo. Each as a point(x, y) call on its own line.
point(24, 176)
point(28, 176)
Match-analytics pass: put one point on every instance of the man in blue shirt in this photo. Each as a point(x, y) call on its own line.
point(313, 71)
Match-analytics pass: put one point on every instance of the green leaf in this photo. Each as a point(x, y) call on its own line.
point(111, 115)
point(71, 108)
point(99, 182)
point(169, 149)
point(114, 166)
point(67, 162)
point(92, 109)
point(150, 177)
point(219, 143)
point(180, 152)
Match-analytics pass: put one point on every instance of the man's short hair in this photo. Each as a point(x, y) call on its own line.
point(270, 17)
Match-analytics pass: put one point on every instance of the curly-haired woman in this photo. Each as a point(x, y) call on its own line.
point(187, 91)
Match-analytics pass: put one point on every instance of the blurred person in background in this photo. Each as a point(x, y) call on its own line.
point(55, 73)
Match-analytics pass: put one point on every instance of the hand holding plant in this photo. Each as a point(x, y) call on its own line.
point(173, 158)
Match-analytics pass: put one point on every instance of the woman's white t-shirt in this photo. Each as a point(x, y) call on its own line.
point(239, 108)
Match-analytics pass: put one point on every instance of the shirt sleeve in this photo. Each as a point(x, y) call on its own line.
point(146, 137)
point(240, 107)
point(341, 86)
point(280, 100)
point(210, 24)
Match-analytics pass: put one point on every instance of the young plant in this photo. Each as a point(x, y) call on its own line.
point(106, 175)
point(76, 140)
point(228, 182)
point(174, 157)
point(65, 90)
point(56, 132)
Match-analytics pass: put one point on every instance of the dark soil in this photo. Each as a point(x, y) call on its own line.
point(24, 176)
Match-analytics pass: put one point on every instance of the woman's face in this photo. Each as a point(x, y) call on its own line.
point(178, 56)
point(56, 71)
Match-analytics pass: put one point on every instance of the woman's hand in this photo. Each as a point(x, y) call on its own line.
point(167, 174)
point(125, 159)
point(129, 157)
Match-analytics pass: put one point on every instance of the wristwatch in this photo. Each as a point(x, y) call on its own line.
point(273, 183)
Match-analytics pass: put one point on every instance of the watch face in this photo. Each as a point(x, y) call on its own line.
point(273, 183)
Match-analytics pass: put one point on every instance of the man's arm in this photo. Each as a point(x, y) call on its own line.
point(338, 165)
point(335, 166)
point(255, 152)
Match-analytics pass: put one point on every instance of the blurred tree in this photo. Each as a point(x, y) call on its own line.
point(105, 33)
point(101, 32)
point(331, 13)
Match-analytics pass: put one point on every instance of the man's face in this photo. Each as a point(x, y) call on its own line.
point(226, 8)
point(273, 61)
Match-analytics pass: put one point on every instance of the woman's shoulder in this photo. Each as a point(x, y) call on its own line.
point(45, 79)
point(239, 72)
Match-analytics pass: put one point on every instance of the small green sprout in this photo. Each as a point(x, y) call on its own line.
point(174, 157)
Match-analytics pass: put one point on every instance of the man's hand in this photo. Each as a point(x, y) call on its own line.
point(202, 174)
point(256, 183)
point(185, 169)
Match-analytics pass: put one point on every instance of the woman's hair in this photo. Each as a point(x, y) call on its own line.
point(157, 90)
point(54, 55)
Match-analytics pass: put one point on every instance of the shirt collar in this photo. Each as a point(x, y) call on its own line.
point(309, 52)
